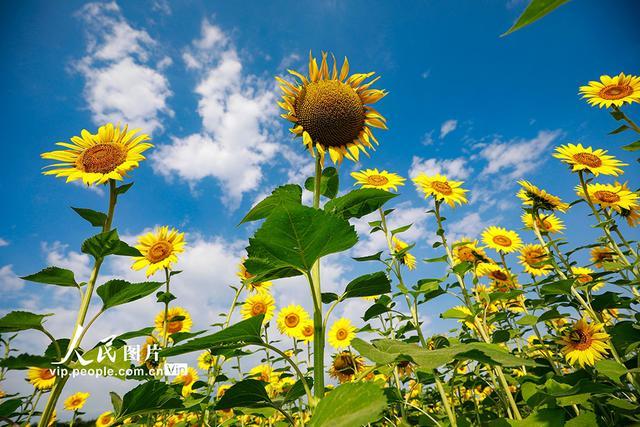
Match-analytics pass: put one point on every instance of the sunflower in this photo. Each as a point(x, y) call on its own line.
point(341, 334)
point(76, 401)
point(346, 366)
point(306, 331)
point(246, 277)
point(612, 91)
point(547, 223)
point(584, 343)
point(149, 352)
point(206, 360)
point(601, 255)
point(264, 373)
point(584, 276)
point(632, 214)
point(587, 159)
point(329, 110)
point(469, 320)
point(534, 259)
point(371, 178)
point(406, 259)
point(291, 319)
point(106, 419)
point(187, 380)
point(158, 249)
point(501, 239)
point(441, 188)
point(536, 197)
point(260, 303)
point(613, 196)
point(609, 314)
point(109, 154)
point(501, 277)
point(467, 250)
point(178, 320)
point(41, 378)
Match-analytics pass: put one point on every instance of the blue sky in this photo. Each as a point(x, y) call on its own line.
point(198, 76)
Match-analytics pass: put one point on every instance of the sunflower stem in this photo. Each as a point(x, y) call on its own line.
point(630, 122)
point(318, 339)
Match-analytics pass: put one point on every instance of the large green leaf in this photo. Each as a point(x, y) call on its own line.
point(368, 285)
point(25, 361)
point(292, 238)
point(107, 243)
point(286, 194)
point(534, 11)
point(549, 417)
point(95, 218)
point(329, 183)
point(148, 397)
point(118, 292)
point(8, 407)
point(250, 393)
point(350, 405)
point(53, 276)
point(235, 336)
point(358, 203)
point(611, 369)
point(21, 321)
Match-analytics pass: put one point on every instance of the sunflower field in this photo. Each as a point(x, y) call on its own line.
point(547, 329)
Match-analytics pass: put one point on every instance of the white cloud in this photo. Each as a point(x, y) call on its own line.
point(3, 242)
point(448, 127)
point(453, 168)
point(427, 138)
point(238, 114)
point(57, 254)
point(9, 281)
point(120, 84)
point(517, 157)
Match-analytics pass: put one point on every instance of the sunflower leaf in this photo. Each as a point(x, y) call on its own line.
point(329, 183)
point(358, 203)
point(118, 292)
point(286, 194)
point(21, 321)
point(107, 243)
point(147, 397)
point(53, 276)
point(351, 404)
point(95, 218)
point(534, 11)
point(250, 393)
point(368, 285)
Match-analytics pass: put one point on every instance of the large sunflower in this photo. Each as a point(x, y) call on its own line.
point(178, 320)
point(614, 196)
point(587, 159)
point(246, 277)
point(371, 178)
point(76, 401)
point(256, 304)
point(329, 109)
point(291, 319)
point(534, 259)
point(584, 343)
point(534, 196)
point(159, 249)
point(41, 378)
point(547, 223)
point(501, 239)
point(346, 366)
point(406, 259)
point(612, 91)
point(97, 158)
point(341, 334)
point(441, 188)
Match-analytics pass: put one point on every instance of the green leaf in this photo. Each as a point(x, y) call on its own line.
point(454, 313)
point(250, 393)
point(328, 297)
point(135, 334)
point(235, 336)
point(375, 310)
point(371, 352)
point(543, 418)
point(123, 188)
point(329, 183)
point(534, 11)
point(619, 129)
point(634, 146)
point(611, 369)
point(585, 419)
point(149, 397)
point(8, 407)
point(561, 287)
point(95, 218)
point(349, 405)
point(625, 336)
point(369, 285)
point(294, 237)
point(25, 361)
point(527, 320)
point(286, 194)
point(116, 401)
point(107, 243)
point(118, 292)
point(358, 203)
point(21, 321)
point(374, 257)
point(297, 390)
point(53, 276)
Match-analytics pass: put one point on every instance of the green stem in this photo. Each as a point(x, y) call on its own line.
point(314, 279)
point(303, 379)
point(630, 122)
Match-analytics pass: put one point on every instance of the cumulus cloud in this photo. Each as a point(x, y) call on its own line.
point(3, 242)
point(121, 82)
point(9, 281)
point(238, 115)
point(452, 168)
point(448, 127)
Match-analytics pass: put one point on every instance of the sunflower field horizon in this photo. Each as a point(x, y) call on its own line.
point(242, 215)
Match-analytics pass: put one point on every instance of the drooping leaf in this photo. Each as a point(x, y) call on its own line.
point(329, 183)
point(117, 292)
point(358, 203)
point(634, 146)
point(95, 218)
point(250, 393)
point(349, 405)
point(53, 276)
point(147, 397)
point(375, 310)
point(21, 321)
point(107, 243)
point(368, 285)
point(534, 11)
point(235, 336)
point(286, 194)
point(292, 238)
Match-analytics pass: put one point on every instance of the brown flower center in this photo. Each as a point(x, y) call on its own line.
point(502, 240)
point(465, 253)
point(584, 278)
point(377, 180)
point(291, 320)
point(588, 159)
point(499, 275)
point(616, 91)
point(606, 196)
point(345, 364)
point(442, 187)
point(579, 339)
point(106, 419)
point(258, 308)
point(101, 158)
point(331, 112)
point(47, 374)
point(534, 256)
point(159, 251)
point(307, 331)
point(342, 334)
point(174, 326)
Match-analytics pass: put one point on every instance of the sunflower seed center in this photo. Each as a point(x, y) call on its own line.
point(615, 91)
point(442, 187)
point(377, 180)
point(159, 251)
point(580, 340)
point(258, 308)
point(606, 196)
point(502, 240)
point(292, 320)
point(102, 158)
point(465, 253)
point(588, 159)
point(342, 334)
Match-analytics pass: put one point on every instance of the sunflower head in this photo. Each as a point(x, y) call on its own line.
point(76, 401)
point(601, 255)
point(441, 188)
point(584, 343)
point(540, 199)
point(306, 331)
point(615, 196)
point(584, 277)
point(547, 223)
point(178, 320)
point(535, 260)
point(97, 158)
point(467, 250)
point(372, 178)
point(41, 378)
point(501, 278)
point(346, 366)
point(612, 91)
point(400, 247)
point(589, 160)
point(291, 319)
point(259, 303)
point(331, 111)
point(106, 419)
point(501, 239)
point(159, 249)
point(207, 360)
point(341, 334)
